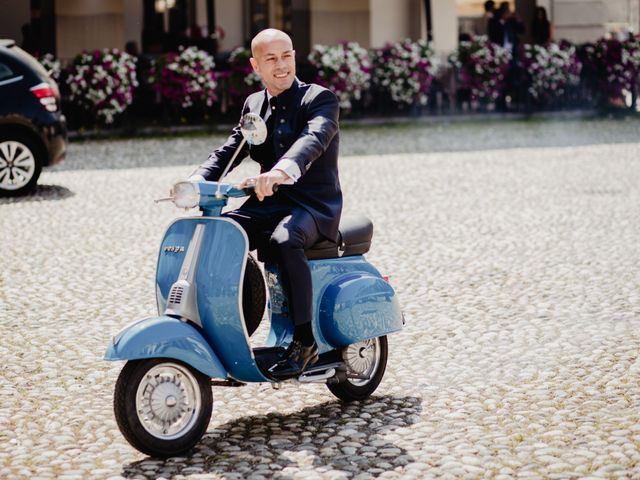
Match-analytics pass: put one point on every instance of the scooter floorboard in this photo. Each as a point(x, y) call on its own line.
point(266, 357)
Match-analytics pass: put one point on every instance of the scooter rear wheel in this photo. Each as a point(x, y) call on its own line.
point(254, 295)
point(367, 359)
point(162, 406)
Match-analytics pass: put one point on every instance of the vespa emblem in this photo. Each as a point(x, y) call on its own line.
point(173, 249)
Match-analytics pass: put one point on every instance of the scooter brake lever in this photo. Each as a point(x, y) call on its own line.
point(170, 198)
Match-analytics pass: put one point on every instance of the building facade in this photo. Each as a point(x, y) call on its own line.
point(66, 27)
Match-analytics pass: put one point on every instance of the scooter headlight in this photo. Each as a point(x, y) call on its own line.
point(186, 195)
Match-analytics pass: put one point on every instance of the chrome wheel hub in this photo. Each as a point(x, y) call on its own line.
point(362, 360)
point(168, 401)
point(17, 165)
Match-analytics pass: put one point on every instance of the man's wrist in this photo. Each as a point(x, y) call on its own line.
point(283, 175)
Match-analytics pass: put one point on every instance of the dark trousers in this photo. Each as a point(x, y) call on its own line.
point(286, 230)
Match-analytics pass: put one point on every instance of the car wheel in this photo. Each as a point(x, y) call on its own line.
point(20, 164)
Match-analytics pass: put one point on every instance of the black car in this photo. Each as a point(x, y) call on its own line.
point(33, 131)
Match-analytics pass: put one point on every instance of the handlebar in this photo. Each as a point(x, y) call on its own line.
point(189, 194)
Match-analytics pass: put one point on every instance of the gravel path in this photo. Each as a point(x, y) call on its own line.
point(518, 271)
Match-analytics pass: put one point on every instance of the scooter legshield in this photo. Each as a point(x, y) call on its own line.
point(218, 249)
point(165, 337)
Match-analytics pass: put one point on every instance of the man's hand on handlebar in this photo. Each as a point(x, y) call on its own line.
point(265, 182)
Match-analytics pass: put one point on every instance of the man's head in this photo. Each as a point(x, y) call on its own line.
point(489, 6)
point(274, 59)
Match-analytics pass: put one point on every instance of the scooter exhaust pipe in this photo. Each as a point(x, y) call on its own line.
point(340, 376)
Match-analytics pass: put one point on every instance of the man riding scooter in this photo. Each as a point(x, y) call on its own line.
point(300, 157)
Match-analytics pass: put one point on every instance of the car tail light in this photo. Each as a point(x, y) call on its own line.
point(386, 278)
point(47, 95)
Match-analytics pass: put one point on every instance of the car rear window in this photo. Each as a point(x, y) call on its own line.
point(5, 71)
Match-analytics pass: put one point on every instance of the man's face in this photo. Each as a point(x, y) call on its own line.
point(275, 62)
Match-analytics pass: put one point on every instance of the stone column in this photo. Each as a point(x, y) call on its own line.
point(444, 24)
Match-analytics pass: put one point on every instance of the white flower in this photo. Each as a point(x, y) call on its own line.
point(340, 68)
point(98, 88)
point(399, 69)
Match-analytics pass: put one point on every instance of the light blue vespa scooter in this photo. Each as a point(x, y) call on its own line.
point(211, 296)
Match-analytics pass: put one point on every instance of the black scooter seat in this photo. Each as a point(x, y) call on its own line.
point(354, 233)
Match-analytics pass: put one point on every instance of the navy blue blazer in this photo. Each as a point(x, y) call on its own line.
point(305, 131)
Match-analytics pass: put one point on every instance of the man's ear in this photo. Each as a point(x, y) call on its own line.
point(254, 64)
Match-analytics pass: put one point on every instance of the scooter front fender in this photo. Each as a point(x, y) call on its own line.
point(165, 337)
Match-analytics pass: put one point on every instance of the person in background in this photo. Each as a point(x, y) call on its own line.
point(541, 27)
point(482, 25)
point(505, 29)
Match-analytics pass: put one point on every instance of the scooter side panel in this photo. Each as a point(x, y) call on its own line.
point(166, 337)
point(357, 305)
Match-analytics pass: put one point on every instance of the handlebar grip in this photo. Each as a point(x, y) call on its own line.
point(250, 189)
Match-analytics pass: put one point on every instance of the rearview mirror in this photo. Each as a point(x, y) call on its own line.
point(253, 129)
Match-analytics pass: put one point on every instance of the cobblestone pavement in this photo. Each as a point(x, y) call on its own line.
point(518, 271)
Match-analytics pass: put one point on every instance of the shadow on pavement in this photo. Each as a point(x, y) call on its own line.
point(41, 193)
point(330, 436)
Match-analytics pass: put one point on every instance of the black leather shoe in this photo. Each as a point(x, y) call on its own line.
point(296, 358)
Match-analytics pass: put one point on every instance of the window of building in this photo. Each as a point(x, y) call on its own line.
point(169, 24)
point(258, 16)
point(283, 15)
point(270, 13)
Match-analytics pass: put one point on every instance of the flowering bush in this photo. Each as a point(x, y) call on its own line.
point(482, 67)
point(102, 83)
point(345, 69)
point(616, 64)
point(404, 70)
point(551, 69)
point(51, 65)
point(241, 80)
point(187, 78)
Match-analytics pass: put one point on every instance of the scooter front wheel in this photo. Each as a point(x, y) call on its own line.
point(162, 406)
point(366, 363)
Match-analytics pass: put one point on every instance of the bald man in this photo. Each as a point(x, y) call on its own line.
point(301, 156)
